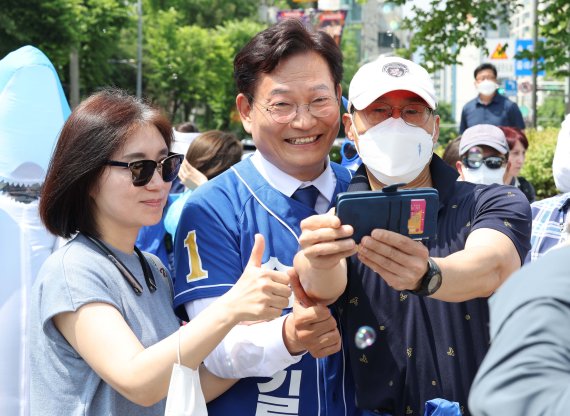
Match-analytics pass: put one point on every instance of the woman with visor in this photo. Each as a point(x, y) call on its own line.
point(103, 333)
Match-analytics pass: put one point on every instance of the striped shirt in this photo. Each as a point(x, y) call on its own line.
point(548, 225)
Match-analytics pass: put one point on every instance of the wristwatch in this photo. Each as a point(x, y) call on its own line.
point(431, 280)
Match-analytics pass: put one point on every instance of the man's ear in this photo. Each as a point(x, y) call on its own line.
point(459, 167)
point(436, 129)
point(244, 108)
point(347, 122)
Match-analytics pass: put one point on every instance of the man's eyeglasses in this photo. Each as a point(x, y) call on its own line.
point(415, 115)
point(143, 170)
point(474, 160)
point(284, 112)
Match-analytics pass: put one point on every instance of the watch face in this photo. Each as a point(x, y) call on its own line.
point(433, 283)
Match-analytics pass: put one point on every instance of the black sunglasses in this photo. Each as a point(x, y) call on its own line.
point(476, 160)
point(143, 170)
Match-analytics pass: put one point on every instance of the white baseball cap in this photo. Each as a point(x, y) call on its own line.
point(182, 141)
point(387, 74)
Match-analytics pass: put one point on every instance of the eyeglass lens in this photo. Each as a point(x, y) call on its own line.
point(412, 114)
point(285, 112)
point(142, 170)
point(475, 161)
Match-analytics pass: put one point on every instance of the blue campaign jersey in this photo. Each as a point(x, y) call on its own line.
point(213, 244)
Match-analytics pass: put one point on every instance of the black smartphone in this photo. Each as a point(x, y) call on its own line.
point(410, 212)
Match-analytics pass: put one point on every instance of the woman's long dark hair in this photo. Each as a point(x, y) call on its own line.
point(94, 131)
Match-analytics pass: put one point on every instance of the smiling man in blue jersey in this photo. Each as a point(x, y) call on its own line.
point(288, 81)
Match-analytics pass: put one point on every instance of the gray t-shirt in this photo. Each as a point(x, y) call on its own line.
point(62, 383)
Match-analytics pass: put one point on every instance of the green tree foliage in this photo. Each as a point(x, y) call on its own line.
point(444, 28)
point(447, 128)
point(236, 34)
point(551, 112)
point(349, 46)
point(100, 27)
point(538, 165)
point(48, 25)
point(208, 13)
point(188, 47)
point(555, 29)
point(188, 69)
point(57, 26)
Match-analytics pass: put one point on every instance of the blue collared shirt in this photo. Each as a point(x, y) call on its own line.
point(499, 112)
point(548, 216)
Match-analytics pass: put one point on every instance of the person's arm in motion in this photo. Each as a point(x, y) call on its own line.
point(190, 176)
point(261, 349)
point(489, 257)
point(142, 375)
point(487, 260)
point(527, 369)
point(212, 385)
point(321, 263)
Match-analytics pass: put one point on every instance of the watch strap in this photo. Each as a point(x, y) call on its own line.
point(431, 280)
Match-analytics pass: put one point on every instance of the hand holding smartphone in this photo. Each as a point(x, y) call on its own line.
point(410, 212)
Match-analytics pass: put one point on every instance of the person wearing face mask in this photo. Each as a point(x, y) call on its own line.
point(489, 107)
point(425, 301)
point(483, 151)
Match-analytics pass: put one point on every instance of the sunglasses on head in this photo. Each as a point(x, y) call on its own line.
point(143, 170)
point(476, 160)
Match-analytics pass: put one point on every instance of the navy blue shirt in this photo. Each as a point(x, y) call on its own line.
point(426, 348)
point(499, 112)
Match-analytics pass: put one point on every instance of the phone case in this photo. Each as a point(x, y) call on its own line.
point(410, 212)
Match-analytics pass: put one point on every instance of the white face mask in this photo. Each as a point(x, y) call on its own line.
point(487, 87)
point(484, 175)
point(395, 152)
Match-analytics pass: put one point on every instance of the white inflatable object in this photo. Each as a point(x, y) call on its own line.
point(33, 109)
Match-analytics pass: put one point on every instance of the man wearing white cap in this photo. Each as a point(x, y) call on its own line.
point(425, 301)
point(484, 155)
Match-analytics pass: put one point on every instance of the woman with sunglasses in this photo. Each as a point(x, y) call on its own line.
point(103, 333)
